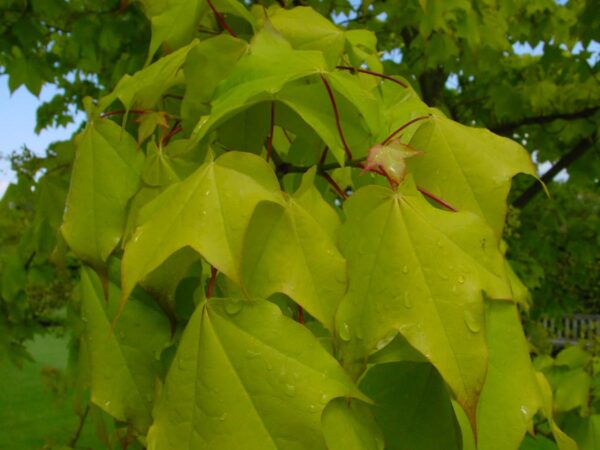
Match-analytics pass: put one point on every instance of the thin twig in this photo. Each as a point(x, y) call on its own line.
point(83, 417)
point(176, 128)
point(123, 111)
point(334, 185)
point(375, 74)
point(287, 136)
point(337, 117)
point(323, 156)
point(300, 315)
point(221, 19)
point(403, 127)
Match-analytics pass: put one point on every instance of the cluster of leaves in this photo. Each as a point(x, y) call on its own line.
point(232, 292)
point(459, 56)
point(574, 379)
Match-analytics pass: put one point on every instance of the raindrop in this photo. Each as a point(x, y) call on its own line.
point(269, 366)
point(407, 302)
point(345, 332)
point(461, 279)
point(405, 269)
point(324, 399)
point(312, 408)
point(472, 321)
point(440, 244)
point(223, 417)
point(443, 275)
point(290, 390)
point(107, 403)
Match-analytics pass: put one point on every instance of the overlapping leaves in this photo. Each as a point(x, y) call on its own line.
point(388, 279)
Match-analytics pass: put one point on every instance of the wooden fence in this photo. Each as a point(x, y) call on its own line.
point(569, 329)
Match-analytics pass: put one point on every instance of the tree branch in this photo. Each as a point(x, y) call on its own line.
point(509, 127)
point(565, 161)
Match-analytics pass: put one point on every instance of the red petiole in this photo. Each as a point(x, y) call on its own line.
point(375, 74)
point(211, 282)
point(337, 117)
point(221, 19)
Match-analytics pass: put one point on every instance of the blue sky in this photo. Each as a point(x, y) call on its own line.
point(17, 125)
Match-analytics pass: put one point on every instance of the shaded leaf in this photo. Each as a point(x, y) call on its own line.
point(124, 362)
point(412, 407)
point(207, 64)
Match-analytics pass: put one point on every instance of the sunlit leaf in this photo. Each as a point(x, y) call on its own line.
point(106, 174)
point(420, 271)
point(208, 211)
point(244, 373)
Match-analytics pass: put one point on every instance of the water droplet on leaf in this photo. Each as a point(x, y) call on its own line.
point(290, 390)
point(405, 269)
point(473, 323)
point(461, 279)
point(345, 332)
point(407, 302)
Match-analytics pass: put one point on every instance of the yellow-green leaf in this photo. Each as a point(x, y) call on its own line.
point(419, 270)
point(106, 174)
point(208, 211)
point(244, 374)
point(470, 168)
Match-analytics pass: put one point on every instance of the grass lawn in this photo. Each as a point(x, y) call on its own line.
point(30, 416)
